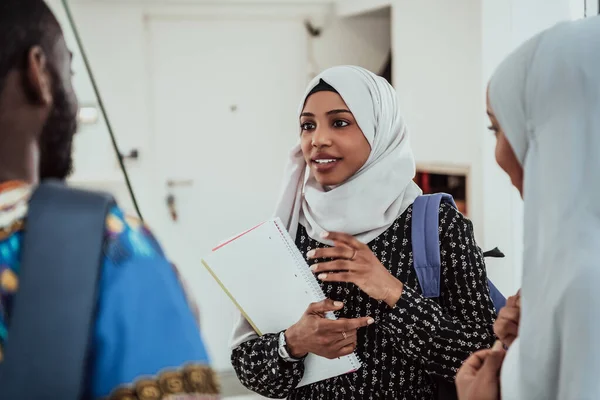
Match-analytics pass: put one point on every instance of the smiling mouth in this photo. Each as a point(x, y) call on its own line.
point(325, 165)
point(326, 161)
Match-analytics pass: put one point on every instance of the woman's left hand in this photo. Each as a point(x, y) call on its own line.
point(479, 376)
point(354, 262)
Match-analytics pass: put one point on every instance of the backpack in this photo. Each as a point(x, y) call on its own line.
point(427, 264)
point(426, 246)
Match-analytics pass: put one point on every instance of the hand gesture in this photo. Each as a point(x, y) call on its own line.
point(506, 326)
point(354, 262)
point(314, 333)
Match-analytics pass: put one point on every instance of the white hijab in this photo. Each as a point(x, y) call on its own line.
point(370, 201)
point(546, 97)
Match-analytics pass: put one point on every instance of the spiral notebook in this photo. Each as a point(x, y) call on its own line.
point(267, 278)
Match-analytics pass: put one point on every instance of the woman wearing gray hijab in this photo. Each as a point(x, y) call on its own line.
point(544, 105)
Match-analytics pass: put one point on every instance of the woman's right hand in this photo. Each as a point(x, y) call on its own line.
point(506, 326)
point(314, 333)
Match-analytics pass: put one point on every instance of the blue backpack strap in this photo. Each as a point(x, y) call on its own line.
point(426, 246)
point(497, 297)
point(53, 312)
point(426, 241)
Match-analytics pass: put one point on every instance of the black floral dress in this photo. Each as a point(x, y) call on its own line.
point(408, 344)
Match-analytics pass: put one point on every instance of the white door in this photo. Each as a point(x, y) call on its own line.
point(224, 100)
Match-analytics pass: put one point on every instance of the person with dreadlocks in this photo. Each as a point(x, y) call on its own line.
point(146, 341)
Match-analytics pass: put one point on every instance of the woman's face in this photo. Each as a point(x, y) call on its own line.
point(333, 145)
point(505, 156)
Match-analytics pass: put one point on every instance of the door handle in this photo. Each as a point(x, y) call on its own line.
point(171, 207)
point(179, 182)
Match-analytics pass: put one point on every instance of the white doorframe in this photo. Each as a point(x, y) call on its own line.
point(592, 8)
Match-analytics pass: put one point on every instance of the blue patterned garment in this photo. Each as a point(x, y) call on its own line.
point(147, 343)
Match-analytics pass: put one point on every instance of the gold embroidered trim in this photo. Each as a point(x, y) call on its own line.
point(9, 230)
point(195, 381)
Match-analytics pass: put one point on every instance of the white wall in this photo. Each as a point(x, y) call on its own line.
point(437, 72)
point(360, 40)
point(444, 54)
point(348, 8)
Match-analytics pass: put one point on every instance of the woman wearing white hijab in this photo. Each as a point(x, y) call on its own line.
point(544, 104)
point(359, 181)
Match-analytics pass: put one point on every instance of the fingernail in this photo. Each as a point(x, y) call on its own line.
point(497, 346)
point(370, 321)
point(324, 234)
point(310, 254)
point(313, 267)
point(338, 303)
point(322, 276)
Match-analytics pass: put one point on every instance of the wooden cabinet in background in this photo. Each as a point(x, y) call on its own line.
point(451, 179)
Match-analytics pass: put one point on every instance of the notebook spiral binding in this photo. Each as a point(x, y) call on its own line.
point(307, 275)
